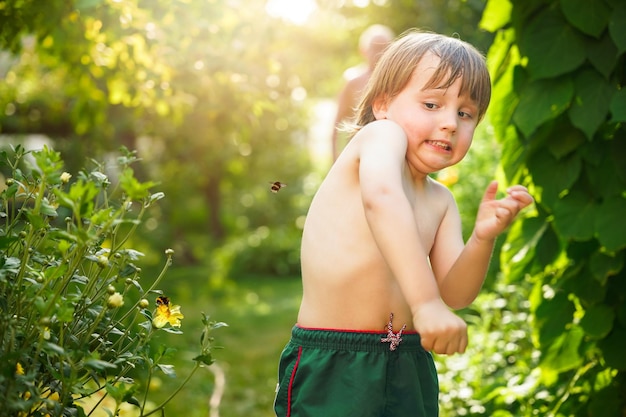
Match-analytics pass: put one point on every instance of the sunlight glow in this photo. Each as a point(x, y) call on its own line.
point(296, 12)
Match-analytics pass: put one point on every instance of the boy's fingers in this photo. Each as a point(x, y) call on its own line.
point(490, 192)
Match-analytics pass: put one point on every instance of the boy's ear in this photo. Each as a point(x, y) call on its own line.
point(379, 108)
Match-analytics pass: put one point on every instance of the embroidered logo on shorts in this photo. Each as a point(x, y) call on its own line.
point(392, 338)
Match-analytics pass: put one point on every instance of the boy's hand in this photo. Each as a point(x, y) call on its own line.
point(440, 330)
point(494, 216)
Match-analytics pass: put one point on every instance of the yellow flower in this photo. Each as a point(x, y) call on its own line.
point(166, 313)
point(448, 176)
point(115, 300)
point(19, 369)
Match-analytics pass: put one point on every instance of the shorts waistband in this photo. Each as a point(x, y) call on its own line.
point(353, 340)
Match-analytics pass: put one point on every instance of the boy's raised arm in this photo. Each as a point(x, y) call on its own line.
point(462, 282)
point(393, 226)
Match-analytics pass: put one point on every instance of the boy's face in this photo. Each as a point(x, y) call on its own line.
point(439, 123)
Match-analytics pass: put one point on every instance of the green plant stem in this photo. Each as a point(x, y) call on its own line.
point(122, 338)
point(168, 263)
point(570, 386)
point(173, 394)
point(116, 246)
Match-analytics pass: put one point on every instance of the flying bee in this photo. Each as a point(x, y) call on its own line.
point(162, 301)
point(277, 185)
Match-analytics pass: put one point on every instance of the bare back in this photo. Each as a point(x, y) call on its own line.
point(347, 282)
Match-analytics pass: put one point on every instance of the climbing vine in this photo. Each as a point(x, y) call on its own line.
point(559, 113)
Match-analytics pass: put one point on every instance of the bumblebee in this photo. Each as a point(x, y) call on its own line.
point(276, 186)
point(162, 301)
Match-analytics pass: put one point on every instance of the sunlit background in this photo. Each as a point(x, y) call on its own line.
point(222, 98)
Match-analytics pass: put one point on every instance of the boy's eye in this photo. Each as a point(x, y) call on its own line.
point(465, 114)
point(430, 105)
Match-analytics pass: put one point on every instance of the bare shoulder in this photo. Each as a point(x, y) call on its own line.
point(439, 190)
point(381, 134)
point(442, 194)
point(383, 126)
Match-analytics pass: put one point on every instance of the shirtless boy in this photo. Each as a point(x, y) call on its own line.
point(383, 258)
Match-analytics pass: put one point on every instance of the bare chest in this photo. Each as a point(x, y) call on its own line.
point(428, 213)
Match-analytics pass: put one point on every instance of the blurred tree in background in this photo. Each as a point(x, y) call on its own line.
point(215, 95)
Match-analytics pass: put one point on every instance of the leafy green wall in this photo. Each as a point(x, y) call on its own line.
point(559, 111)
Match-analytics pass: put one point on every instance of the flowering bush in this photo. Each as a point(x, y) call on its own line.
point(75, 321)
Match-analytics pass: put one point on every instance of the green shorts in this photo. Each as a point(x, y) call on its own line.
point(339, 373)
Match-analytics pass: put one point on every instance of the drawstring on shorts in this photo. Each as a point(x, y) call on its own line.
point(392, 338)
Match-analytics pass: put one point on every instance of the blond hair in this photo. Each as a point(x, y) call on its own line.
point(397, 65)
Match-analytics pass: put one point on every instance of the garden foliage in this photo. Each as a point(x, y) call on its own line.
point(559, 112)
point(76, 319)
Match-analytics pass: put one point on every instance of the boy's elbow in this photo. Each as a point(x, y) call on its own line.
point(379, 199)
point(457, 301)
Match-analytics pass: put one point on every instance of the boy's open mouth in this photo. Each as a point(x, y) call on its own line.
point(439, 144)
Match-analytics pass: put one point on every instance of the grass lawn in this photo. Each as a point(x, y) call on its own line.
point(259, 313)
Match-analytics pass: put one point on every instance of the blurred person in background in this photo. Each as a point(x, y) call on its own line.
point(372, 43)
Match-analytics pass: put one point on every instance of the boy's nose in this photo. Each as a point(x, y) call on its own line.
point(449, 120)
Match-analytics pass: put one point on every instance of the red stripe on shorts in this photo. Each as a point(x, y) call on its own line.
point(293, 376)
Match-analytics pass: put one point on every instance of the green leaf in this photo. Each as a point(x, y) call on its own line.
point(602, 54)
point(552, 315)
point(48, 209)
point(218, 325)
point(562, 355)
point(132, 400)
point(206, 359)
point(598, 321)
point(618, 106)
point(35, 220)
point(606, 402)
point(11, 190)
point(132, 187)
point(603, 266)
point(602, 176)
point(611, 229)
point(53, 348)
point(167, 369)
point(553, 47)
point(567, 141)
point(155, 197)
point(48, 161)
point(617, 28)
point(514, 152)
point(496, 15)
point(548, 247)
point(65, 313)
point(591, 103)
point(579, 281)
point(554, 176)
point(99, 365)
point(518, 252)
point(501, 413)
point(574, 216)
point(542, 100)
point(172, 330)
point(590, 17)
point(621, 314)
point(613, 348)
